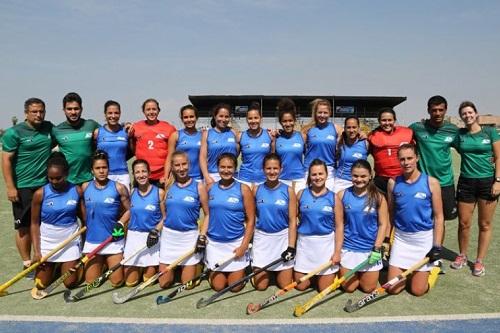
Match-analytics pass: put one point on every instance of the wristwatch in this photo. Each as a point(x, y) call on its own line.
point(497, 179)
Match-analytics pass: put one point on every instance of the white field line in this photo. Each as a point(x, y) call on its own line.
point(247, 322)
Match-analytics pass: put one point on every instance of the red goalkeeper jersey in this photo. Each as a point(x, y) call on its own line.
point(384, 148)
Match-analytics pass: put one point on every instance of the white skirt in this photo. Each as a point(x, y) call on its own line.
point(111, 248)
point(313, 251)
point(174, 244)
point(351, 259)
point(341, 184)
point(52, 235)
point(410, 247)
point(135, 241)
point(296, 184)
point(218, 252)
point(330, 180)
point(268, 247)
point(123, 179)
point(215, 176)
point(249, 184)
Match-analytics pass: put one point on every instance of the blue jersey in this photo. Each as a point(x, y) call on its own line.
point(145, 212)
point(182, 207)
point(217, 144)
point(291, 151)
point(272, 208)
point(102, 210)
point(413, 204)
point(317, 214)
point(116, 145)
point(321, 143)
point(348, 155)
point(227, 213)
point(360, 222)
point(253, 151)
point(190, 144)
point(59, 208)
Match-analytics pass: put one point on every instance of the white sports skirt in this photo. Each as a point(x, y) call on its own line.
point(249, 184)
point(268, 247)
point(123, 179)
point(351, 259)
point(111, 248)
point(136, 241)
point(330, 180)
point(174, 244)
point(218, 252)
point(409, 248)
point(296, 184)
point(341, 184)
point(215, 176)
point(52, 235)
point(313, 251)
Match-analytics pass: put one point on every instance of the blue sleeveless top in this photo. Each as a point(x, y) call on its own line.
point(182, 207)
point(217, 144)
point(321, 143)
point(103, 209)
point(349, 155)
point(413, 204)
point(253, 151)
point(317, 214)
point(116, 145)
point(272, 208)
point(190, 144)
point(59, 208)
point(360, 222)
point(291, 151)
point(145, 210)
point(227, 213)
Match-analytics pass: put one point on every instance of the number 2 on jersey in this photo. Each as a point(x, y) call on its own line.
point(151, 145)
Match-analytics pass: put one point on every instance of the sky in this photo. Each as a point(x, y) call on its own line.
point(133, 50)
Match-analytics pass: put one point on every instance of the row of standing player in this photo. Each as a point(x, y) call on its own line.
point(345, 228)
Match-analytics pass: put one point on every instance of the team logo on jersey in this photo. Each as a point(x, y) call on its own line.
point(397, 194)
point(328, 209)
point(233, 200)
point(150, 207)
point(71, 202)
point(280, 202)
point(169, 196)
point(297, 145)
point(330, 137)
point(121, 138)
point(210, 197)
point(357, 155)
point(50, 203)
point(27, 140)
point(486, 141)
point(347, 207)
point(230, 139)
point(420, 195)
point(64, 138)
point(369, 210)
point(160, 136)
point(198, 143)
point(448, 139)
point(109, 200)
point(88, 135)
point(264, 145)
point(188, 198)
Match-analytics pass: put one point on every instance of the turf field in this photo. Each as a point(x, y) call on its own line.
point(457, 292)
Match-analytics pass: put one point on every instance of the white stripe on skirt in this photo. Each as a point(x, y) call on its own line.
point(410, 247)
point(268, 247)
point(217, 252)
point(135, 241)
point(53, 235)
point(351, 259)
point(174, 244)
point(313, 251)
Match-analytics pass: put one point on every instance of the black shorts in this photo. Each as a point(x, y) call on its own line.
point(381, 183)
point(22, 209)
point(448, 197)
point(471, 189)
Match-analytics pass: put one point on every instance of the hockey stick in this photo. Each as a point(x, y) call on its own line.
point(202, 302)
point(117, 299)
point(370, 298)
point(301, 309)
point(99, 280)
point(253, 308)
point(39, 294)
point(33, 266)
point(181, 288)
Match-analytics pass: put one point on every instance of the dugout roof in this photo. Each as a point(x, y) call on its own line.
point(362, 106)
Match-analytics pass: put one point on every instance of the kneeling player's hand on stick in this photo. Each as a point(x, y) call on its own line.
point(201, 243)
point(153, 237)
point(288, 254)
point(435, 253)
point(118, 231)
point(375, 256)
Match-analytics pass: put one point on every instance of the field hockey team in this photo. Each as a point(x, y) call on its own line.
point(307, 196)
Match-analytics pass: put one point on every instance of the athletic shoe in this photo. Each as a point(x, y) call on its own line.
point(30, 275)
point(479, 269)
point(460, 262)
point(439, 264)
